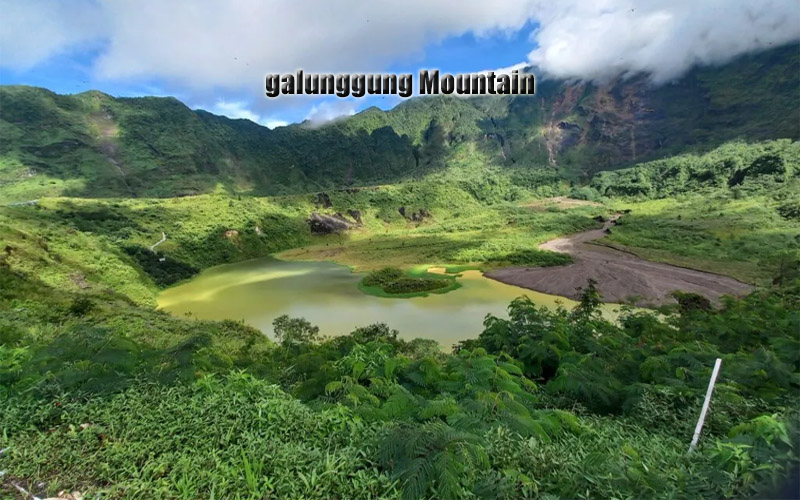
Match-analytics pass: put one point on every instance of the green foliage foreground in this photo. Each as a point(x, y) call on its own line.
point(118, 401)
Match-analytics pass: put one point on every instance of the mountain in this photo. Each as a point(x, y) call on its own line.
point(95, 145)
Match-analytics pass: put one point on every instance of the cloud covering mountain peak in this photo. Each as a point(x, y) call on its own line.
point(206, 50)
point(662, 38)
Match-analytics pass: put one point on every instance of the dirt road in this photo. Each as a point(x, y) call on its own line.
point(620, 276)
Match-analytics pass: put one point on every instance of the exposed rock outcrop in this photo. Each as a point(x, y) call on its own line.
point(326, 224)
point(416, 216)
point(569, 126)
point(356, 216)
point(420, 215)
point(323, 200)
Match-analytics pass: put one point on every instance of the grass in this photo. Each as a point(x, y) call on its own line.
point(75, 244)
point(470, 215)
point(269, 444)
point(497, 236)
point(101, 244)
point(266, 444)
point(744, 238)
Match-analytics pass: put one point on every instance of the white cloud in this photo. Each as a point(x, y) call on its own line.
point(605, 38)
point(273, 123)
point(34, 31)
point(213, 43)
point(204, 46)
point(216, 43)
point(327, 111)
point(240, 109)
point(234, 109)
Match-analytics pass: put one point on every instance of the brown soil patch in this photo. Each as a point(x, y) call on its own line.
point(620, 276)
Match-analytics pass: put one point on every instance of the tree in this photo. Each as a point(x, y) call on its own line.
point(787, 264)
point(376, 331)
point(294, 332)
point(590, 301)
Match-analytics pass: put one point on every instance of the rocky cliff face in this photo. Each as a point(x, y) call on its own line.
point(586, 127)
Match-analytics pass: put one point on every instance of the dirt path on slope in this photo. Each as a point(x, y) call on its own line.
point(620, 275)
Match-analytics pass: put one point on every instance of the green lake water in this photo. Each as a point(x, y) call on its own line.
point(327, 295)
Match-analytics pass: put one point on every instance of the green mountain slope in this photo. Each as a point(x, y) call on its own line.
point(92, 144)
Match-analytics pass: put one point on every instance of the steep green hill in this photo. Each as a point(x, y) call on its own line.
point(735, 166)
point(92, 144)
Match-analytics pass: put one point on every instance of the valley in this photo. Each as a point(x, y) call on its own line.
point(201, 307)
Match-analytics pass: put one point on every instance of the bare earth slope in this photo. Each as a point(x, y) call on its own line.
point(620, 276)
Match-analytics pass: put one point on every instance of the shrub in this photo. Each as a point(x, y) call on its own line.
point(80, 306)
point(790, 210)
point(533, 257)
point(383, 277)
point(164, 273)
point(393, 281)
point(411, 285)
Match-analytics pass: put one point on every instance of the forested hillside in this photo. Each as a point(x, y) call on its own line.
point(94, 145)
point(106, 396)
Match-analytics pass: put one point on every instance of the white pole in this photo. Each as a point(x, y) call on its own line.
point(703, 412)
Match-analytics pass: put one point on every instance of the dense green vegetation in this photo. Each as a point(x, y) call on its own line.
point(742, 168)
point(103, 394)
point(163, 271)
point(383, 277)
point(472, 217)
point(78, 244)
point(393, 282)
point(94, 145)
point(545, 402)
point(743, 229)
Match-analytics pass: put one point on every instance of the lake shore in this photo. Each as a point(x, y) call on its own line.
point(620, 276)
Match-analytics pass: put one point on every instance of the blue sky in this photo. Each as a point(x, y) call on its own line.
point(72, 72)
point(214, 54)
point(457, 54)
